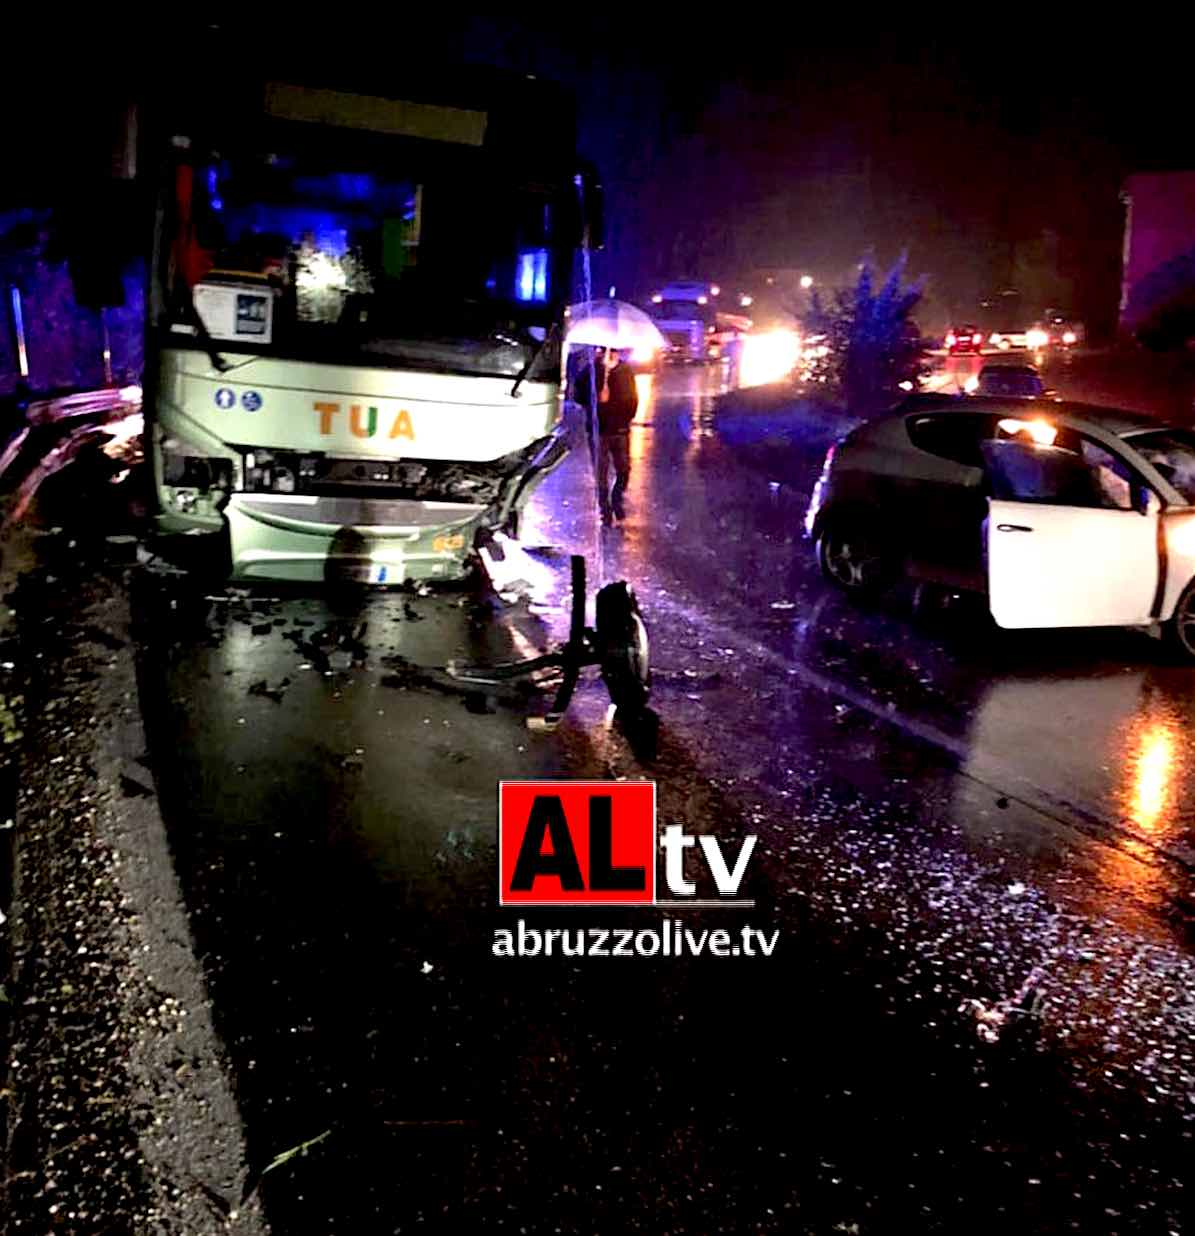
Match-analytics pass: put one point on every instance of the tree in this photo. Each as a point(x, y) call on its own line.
point(872, 344)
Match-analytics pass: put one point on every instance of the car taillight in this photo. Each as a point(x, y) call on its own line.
point(976, 338)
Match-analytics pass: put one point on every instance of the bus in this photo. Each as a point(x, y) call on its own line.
point(684, 311)
point(354, 309)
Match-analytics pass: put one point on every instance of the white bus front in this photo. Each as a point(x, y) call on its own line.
point(355, 318)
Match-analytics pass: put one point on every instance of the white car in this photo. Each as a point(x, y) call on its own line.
point(1065, 515)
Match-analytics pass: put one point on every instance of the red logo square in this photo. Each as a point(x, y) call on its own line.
point(576, 843)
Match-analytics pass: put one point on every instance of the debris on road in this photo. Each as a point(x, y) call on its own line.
point(264, 689)
point(280, 1160)
point(990, 1019)
point(690, 679)
point(131, 788)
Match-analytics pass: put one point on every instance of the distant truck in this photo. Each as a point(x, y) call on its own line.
point(684, 311)
point(1157, 297)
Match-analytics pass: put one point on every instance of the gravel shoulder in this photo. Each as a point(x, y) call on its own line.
point(119, 1111)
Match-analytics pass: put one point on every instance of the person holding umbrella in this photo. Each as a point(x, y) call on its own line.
point(589, 388)
point(615, 412)
point(615, 329)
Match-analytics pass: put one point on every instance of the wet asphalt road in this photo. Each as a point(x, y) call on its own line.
point(1096, 721)
point(331, 805)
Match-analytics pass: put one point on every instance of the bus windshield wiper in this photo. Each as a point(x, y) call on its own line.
point(209, 344)
point(549, 336)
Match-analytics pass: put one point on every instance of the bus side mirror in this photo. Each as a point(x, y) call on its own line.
point(591, 232)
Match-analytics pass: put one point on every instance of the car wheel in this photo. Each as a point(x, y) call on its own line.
point(853, 557)
point(1180, 629)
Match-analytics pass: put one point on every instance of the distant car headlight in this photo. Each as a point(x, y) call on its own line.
point(971, 385)
point(1042, 432)
point(995, 340)
point(1035, 339)
point(1069, 336)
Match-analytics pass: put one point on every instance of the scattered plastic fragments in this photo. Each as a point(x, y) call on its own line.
point(9, 726)
point(131, 788)
point(690, 679)
point(263, 688)
point(254, 1179)
point(990, 1019)
point(334, 647)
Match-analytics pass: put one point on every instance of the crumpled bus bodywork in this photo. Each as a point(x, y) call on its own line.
point(387, 473)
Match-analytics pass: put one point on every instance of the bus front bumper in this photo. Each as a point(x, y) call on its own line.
point(369, 540)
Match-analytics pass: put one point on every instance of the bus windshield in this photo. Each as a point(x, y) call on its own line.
point(382, 255)
point(683, 310)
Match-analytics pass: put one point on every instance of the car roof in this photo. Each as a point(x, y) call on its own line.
point(1118, 421)
point(1018, 369)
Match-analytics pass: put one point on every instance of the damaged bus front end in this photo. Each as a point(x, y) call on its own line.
point(290, 475)
point(356, 301)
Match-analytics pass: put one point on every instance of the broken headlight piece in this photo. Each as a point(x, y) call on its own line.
point(185, 466)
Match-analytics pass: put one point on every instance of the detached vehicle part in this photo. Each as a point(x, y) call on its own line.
point(617, 644)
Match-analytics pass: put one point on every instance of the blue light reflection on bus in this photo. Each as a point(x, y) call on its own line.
point(531, 275)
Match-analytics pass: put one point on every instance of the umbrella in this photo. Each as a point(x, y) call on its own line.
point(613, 324)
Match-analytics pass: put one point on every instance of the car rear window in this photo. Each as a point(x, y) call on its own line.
point(1016, 382)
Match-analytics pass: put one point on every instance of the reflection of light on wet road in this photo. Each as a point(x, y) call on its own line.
point(645, 385)
point(1152, 769)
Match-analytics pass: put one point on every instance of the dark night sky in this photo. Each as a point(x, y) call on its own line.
point(992, 152)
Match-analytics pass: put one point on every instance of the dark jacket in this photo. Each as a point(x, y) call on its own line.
point(616, 415)
point(587, 385)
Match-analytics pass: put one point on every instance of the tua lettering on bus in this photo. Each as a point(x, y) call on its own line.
point(364, 422)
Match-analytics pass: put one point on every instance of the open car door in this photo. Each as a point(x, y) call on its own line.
point(1058, 555)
